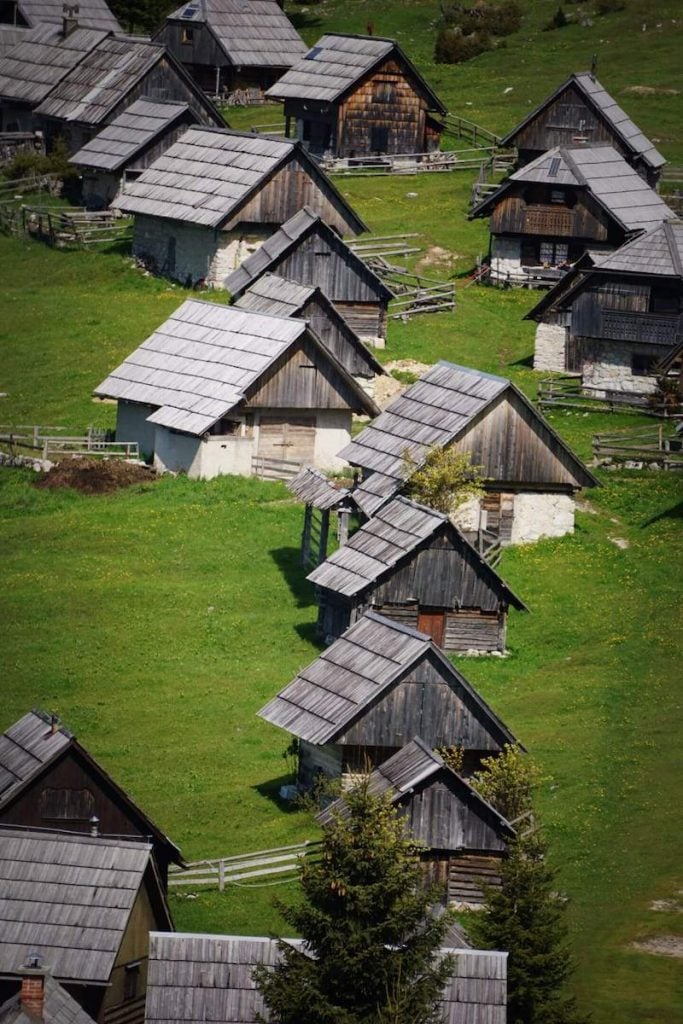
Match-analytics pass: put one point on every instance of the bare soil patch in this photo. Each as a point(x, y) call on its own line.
point(95, 476)
point(649, 90)
point(662, 945)
point(388, 387)
point(436, 256)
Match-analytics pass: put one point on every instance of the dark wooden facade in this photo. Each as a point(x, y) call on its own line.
point(201, 54)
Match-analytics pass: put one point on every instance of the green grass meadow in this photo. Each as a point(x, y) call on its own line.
point(157, 620)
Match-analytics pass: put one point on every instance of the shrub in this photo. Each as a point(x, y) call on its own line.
point(452, 47)
point(496, 19)
point(609, 7)
point(507, 782)
point(558, 20)
point(445, 480)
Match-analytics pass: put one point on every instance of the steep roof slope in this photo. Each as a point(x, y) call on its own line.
point(91, 14)
point(601, 101)
point(31, 69)
point(135, 128)
point(252, 33)
point(337, 63)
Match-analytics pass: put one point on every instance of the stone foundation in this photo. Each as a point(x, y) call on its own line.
point(541, 515)
point(549, 348)
point(606, 366)
point(506, 260)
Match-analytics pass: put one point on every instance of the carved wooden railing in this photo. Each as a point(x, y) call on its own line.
point(542, 221)
point(625, 325)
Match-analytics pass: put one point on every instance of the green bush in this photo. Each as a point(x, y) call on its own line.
point(558, 20)
point(452, 47)
point(24, 165)
point(495, 19)
point(609, 7)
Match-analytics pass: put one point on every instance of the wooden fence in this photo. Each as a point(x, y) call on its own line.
point(570, 393)
point(12, 188)
point(381, 247)
point(60, 227)
point(283, 862)
point(266, 468)
point(410, 163)
point(96, 443)
point(660, 445)
point(462, 128)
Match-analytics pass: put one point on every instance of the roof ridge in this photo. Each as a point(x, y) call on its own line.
point(578, 174)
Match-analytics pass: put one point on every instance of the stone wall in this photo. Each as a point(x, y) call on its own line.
point(170, 248)
point(232, 249)
point(549, 348)
point(541, 515)
point(506, 259)
point(606, 365)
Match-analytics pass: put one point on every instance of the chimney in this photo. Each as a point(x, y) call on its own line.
point(69, 19)
point(54, 724)
point(33, 986)
point(94, 826)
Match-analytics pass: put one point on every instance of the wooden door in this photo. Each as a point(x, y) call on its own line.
point(433, 622)
point(291, 438)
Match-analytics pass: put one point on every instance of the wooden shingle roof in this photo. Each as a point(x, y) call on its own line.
point(69, 898)
point(603, 172)
point(198, 978)
point(658, 253)
point(606, 107)
point(91, 14)
point(201, 362)
point(251, 33)
point(206, 176)
point(335, 689)
point(58, 1007)
point(434, 411)
point(132, 131)
point(31, 69)
point(337, 63)
point(314, 488)
point(394, 533)
point(283, 241)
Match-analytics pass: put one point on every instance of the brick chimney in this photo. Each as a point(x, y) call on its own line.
point(69, 19)
point(33, 986)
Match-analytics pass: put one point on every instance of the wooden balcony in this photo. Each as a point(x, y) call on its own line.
point(648, 328)
point(544, 220)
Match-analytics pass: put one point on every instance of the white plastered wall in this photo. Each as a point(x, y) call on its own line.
point(539, 515)
point(332, 433)
point(202, 458)
point(132, 425)
point(506, 259)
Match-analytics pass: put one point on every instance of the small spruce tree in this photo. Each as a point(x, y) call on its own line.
point(370, 936)
point(507, 781)
point(526, 917)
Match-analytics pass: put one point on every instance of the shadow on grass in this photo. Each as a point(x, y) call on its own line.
point(675, 512)
point(527, 361)
point(288, 562)
point(308, 632)
point(271, 791)
point(302, 19)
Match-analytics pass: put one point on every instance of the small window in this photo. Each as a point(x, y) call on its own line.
point(553, 254)
point(131, 981)
point(557, 195)
point(187, 35)
point(642, 365)
point(555, 165)
point(546, 252)
point(383, 92)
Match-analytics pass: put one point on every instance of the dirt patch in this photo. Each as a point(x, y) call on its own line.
point(662, 945)
point(649, 90)
point(620, 542)
point(668, 906)
point(436, 256)
point(388, 387)
point(95, 476)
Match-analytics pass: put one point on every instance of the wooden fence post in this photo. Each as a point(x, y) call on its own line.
point(221, 875)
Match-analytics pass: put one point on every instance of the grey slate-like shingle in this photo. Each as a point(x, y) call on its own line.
point(198, 978)
point(252, 33)
point(658, 252)
point(32, 68)
point(137, 127)
point(25, 748)
point(91, 14)
point(67, 897)
point(313, 487)
point(327, 695)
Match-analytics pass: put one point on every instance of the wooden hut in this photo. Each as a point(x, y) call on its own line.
point(370, 692)
point(530, 475)
point(615, 318)
point(464, 838)
point(232, 44)
point(308, 251)
point(19, 19)
point(280, 297)
point(41, 998)
point(359, 96)
point(107, 80)
point(216, 196)
point(321, 497)
point(219, 390)
point(48, 780)
point(198, 978)
point(82, 906)
point(581, 111)
point(124, 148)
point(568, 201)
point(411, 564)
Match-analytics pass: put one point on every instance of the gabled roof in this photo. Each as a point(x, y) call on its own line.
point(137, 127)
point(314, 488)
point(397, 530)
point(599, 169)
point(36, 741)
point(352, 673)
point(198, 978)
point(280, 297)
point(91, 14)
point(69, 898)
point(101, 80)
point(285, 240)
point(58, 1007)
point(206, 176)
point(411, 768)
point(435, 411)
point(32, 68)
point(337, 63)
point(603, 104)
point(251, 33)
point(201, 362)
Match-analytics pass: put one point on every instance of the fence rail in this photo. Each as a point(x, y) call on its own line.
point(59, 226)
point(660, 445)
point(280, 861)
point(410, 163)
point(570, 393)
point(92, 447)
point(465, 129)
point(267, 468)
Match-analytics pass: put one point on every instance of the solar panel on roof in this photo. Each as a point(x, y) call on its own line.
point(190, 11)
point(313, 53)
point(554, 166)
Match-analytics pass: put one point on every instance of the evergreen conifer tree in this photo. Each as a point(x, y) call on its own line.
point(370, 937)
point(526, 917)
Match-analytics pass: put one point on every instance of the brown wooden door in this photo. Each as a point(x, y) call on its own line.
point(291, 438)
point(433, 622)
